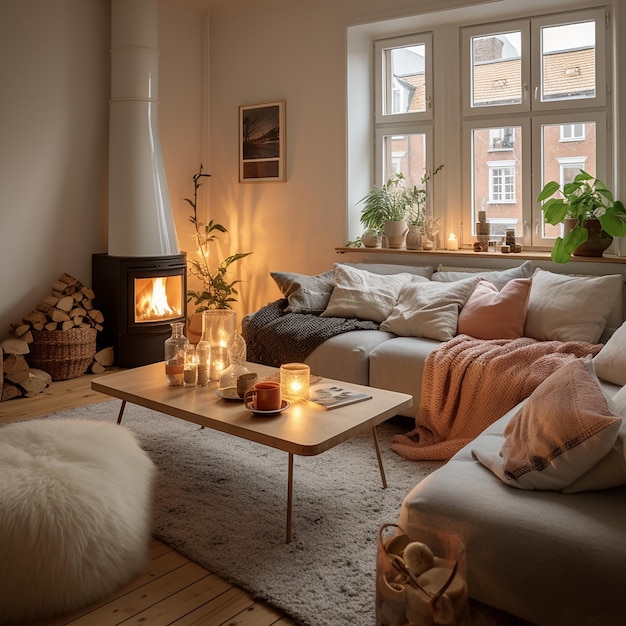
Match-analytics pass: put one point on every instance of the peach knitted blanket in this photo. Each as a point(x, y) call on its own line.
point(470, 383)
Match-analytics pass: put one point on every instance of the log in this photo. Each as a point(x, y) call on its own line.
point(32, 386)
point(67, 279)
point(27, 337)
point(67, 325)
point(43, 376)
point(88, 293)
point(105, 356)
point(15, 368)
point(65, 304)
point(17, 330)
point(14, 346)
point(88, 304)
point(38, 326)
point(10, 391)
point(35, 317)
point(51, 326)
point(96, 316)
point(97, 368)
point(63, 288)
point(78, 311)
point(56, 315)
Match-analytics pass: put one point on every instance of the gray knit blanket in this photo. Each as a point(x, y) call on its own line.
point(274, 337)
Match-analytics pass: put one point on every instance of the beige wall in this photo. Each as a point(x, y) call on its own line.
point(54, 72)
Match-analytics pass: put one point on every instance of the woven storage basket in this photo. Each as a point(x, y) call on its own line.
point(63, 353)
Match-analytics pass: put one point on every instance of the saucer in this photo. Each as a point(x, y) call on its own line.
point(228, 393)
point(284, 406)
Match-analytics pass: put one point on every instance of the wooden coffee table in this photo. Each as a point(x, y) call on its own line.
point(305, 429)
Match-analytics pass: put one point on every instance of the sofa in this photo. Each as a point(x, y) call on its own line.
point(375, 355)
point(538, 497)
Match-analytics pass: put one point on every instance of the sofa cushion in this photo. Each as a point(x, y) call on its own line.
point(570, 308)
point(346, 356)
point(565, 428)
point(305, 294)
point(430, 309)
point(362, 294)
point(498, 277)
point(610, 362)
point(398, 365)
point(492, 314)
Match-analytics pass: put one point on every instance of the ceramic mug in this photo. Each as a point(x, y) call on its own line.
point(245, 382)
point(264, 396)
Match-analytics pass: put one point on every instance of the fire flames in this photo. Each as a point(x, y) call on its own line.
point(153, 300)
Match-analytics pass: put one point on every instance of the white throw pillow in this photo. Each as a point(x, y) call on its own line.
point(570, 308)
point(364, 295)
point(610, 362)
point(430, 309)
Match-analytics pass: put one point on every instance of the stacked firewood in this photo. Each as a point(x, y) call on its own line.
point(70, 306)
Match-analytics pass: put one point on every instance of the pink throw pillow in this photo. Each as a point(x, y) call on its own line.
point(492, 314)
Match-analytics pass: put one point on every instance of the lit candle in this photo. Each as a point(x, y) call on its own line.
point(294, 381)
point(453, 243)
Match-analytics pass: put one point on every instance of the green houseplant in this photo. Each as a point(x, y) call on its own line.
point(217, 291)
point(588, 208)
point(395, 202)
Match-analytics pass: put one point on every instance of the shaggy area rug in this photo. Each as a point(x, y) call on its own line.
point(221, 501)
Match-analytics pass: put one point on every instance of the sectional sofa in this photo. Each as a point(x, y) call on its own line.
point(538, 497)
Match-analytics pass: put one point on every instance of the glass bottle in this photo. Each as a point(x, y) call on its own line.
point(203, 352)
point(175, 354)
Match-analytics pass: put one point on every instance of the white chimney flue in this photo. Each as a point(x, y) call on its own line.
point(140, 215)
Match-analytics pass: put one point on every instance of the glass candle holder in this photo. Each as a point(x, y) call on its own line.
point(217, 327)
point(294, 381)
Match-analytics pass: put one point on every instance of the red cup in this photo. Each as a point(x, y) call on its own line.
point(264, 396)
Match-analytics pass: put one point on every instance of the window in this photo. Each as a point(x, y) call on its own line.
point(501, 182)
point(404, 111)
point(541, 70)
point(572, 132)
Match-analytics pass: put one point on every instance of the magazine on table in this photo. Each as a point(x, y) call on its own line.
point(331, 396)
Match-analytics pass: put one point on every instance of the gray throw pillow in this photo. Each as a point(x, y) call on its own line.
point(305, 294)
point(499, 277)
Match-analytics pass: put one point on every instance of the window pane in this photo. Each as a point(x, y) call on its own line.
point(564, 158)
point(405, 79)
point(568, 61)
point(406, 154)
point(496, 179)
point(496, 69)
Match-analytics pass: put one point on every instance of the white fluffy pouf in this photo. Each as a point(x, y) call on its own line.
point(75, 515)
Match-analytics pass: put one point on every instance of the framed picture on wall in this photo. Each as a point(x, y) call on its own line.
point(262, 142)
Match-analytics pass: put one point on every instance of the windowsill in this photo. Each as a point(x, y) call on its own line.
point(466, 252)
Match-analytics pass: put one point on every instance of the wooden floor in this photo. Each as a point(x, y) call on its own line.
point(172, 590)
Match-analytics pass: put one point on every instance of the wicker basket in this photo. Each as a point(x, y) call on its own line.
point(63, 353)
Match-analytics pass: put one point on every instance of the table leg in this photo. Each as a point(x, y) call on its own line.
point(289, 497)
point(119, 417)
point(380, 458)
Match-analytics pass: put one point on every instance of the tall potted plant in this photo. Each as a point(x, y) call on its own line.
point(590, 215)
point(217, 290)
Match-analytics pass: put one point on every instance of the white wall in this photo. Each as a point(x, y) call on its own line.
point(54, 72)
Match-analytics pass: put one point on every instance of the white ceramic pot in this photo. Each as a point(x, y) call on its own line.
point(396, 233)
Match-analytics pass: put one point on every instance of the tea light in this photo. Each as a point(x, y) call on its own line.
point(294, 381)
point(453, 242)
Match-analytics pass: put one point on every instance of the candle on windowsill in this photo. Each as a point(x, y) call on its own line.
point(453, 242)
point(294, 381)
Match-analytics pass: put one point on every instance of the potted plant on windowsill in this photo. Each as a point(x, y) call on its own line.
point(417, 220)
point(590, 215)
point(388, 208)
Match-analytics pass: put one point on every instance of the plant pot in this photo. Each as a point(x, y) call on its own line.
point(396, 233)
point(597, 242)
point(371, 239)
point(414, 238)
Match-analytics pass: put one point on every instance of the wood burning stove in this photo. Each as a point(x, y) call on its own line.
point(139, 297)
